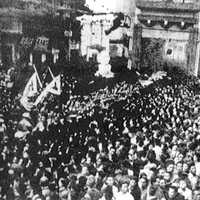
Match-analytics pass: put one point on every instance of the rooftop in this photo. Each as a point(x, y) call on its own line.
point(169, 5)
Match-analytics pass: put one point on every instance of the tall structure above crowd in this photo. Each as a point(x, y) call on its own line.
point(170, 30)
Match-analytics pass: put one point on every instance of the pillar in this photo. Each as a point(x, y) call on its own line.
point(192, 52)
point(13, 53)
point(136, 50)
point(196, 72)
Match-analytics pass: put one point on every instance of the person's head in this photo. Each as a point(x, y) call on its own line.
point(48, 197)
point(185, 167)
point(152, 190)
point(172, 191)
point(179, 166)
point(156, 181)
point(90, 181)
point(161, 172)
point(131, 154)
point(61, 183)
point(88, 159)
point(15, 159)
point(170, 167)
point(196, 195)
point(84, 170)
point(162, 183)
point(193, 169)
point(82, 181)
point(110, 181)
point(133, 181)
point(40, 164)
point(111, 151)
point(180, 157)
point(196, 158)
point(182, 184)
point(143, 182)
point(124, 187)
point(167, 176)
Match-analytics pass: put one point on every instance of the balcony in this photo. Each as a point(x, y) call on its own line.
point(169, 5)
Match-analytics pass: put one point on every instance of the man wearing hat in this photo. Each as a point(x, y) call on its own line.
point(92, 193)
point(172, 194)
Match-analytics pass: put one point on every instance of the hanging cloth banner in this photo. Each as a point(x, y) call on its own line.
point(26, 42)
point(41, 44)
point(31, 90)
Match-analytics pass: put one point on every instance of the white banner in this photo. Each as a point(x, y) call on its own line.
point(31, 87)
point(54, 87)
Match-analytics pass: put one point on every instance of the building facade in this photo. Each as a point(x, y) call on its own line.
point(95, 37)
point(25, 24)
point(166, 34)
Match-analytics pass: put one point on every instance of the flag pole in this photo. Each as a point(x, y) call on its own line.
point(37, 76)
point(51, 73)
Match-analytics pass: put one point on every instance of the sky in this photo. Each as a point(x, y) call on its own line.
point(109, 5)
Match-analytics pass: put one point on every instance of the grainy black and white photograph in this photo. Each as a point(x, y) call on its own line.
point(99, 99)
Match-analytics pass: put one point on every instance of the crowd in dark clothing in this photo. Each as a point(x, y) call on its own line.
point(120, 143)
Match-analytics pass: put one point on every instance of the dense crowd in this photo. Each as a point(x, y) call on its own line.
point(121, 143)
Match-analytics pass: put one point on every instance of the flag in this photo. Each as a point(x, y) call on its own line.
point(41, 97)
point(31, 90)
point(54, 88)
point(46, 77)
point(32, 86)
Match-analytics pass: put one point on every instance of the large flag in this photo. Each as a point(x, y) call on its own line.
point(32, 86)
point(31, 90)
point(39, 86)
point(54, 88)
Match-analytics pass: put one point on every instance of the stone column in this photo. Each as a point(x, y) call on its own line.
point(196, 72)
point(13, 53)
point(192, 60)
point(136, 50)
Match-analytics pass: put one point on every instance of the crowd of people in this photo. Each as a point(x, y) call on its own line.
point(121, 143)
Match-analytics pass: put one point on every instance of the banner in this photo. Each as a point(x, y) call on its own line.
point(26, 42)
point(175, 50)
point(54, 88)
point(36, 89)
point(31, 90)
point(41, 44)
point(32, 86)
